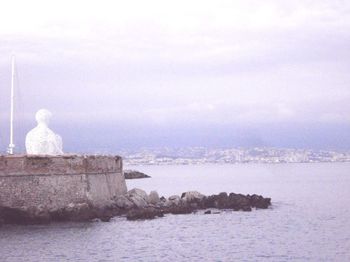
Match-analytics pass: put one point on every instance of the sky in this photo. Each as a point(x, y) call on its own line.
point(129, 74)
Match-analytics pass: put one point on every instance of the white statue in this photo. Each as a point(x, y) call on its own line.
point(41, 140)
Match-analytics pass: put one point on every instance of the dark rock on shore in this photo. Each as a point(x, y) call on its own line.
point(259, 201)
point(135, 204)
point(133, 174)
point(144, 213)
point(236, 201)
point(180, 209)
point(10, 215)
point(73, 212)
point(80, 212)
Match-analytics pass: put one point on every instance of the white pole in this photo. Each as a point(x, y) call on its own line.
point(12, 145)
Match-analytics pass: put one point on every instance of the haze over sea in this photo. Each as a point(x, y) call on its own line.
point(309, 220)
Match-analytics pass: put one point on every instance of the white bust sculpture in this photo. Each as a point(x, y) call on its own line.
point(41, 140)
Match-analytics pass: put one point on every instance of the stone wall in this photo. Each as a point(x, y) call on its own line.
point(56, 181)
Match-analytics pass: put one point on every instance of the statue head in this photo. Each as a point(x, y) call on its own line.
point(43, 116)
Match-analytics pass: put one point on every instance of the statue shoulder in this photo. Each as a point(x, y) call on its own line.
point(31, 133)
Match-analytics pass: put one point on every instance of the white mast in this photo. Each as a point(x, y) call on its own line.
point(12, 145)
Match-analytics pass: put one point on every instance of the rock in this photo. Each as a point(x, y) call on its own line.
point(24, 215)
point(220, 201)
point(192, 196)
point(81, 212)
point(105, 213)
point(234, 201)
point(138, 192)
point(137, 204)
point(138, 197)
point(179, 209)
point(144, 213)
point(167, 203)
point(123, 202)
point(173, 200)
point(259, 201)
point(223, 201)
point(40, 215)
point(106, 218)
point(58, 214)
point(194, 205)
point(246, 208)
point(15, 215)
point(153, 198)
point(133, 174)
point(239, 202)
point(210, 201)
point(138, 201)
point(73, 212)
point(162, 203)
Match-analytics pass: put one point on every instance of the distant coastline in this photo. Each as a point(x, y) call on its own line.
point(256, 155)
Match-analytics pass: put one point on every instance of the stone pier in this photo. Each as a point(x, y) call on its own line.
point(56, 181)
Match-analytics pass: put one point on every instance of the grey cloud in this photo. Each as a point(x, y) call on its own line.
point(196, 69)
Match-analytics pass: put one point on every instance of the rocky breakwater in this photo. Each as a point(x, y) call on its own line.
point(151, 206)
point(133, 174)
point(136, 204)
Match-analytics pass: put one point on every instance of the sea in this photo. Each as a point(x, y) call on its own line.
point(309, 220)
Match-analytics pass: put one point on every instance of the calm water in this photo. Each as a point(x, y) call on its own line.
point(309, 220)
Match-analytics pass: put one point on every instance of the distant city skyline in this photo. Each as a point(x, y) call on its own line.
point(202, 155)
point(187, 73)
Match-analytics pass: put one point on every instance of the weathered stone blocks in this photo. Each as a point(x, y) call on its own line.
point(57, 181)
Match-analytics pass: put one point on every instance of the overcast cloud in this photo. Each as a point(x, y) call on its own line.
point(268, 72)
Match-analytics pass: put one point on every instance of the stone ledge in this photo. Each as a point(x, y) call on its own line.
point(65, 164)
point(57, 174)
